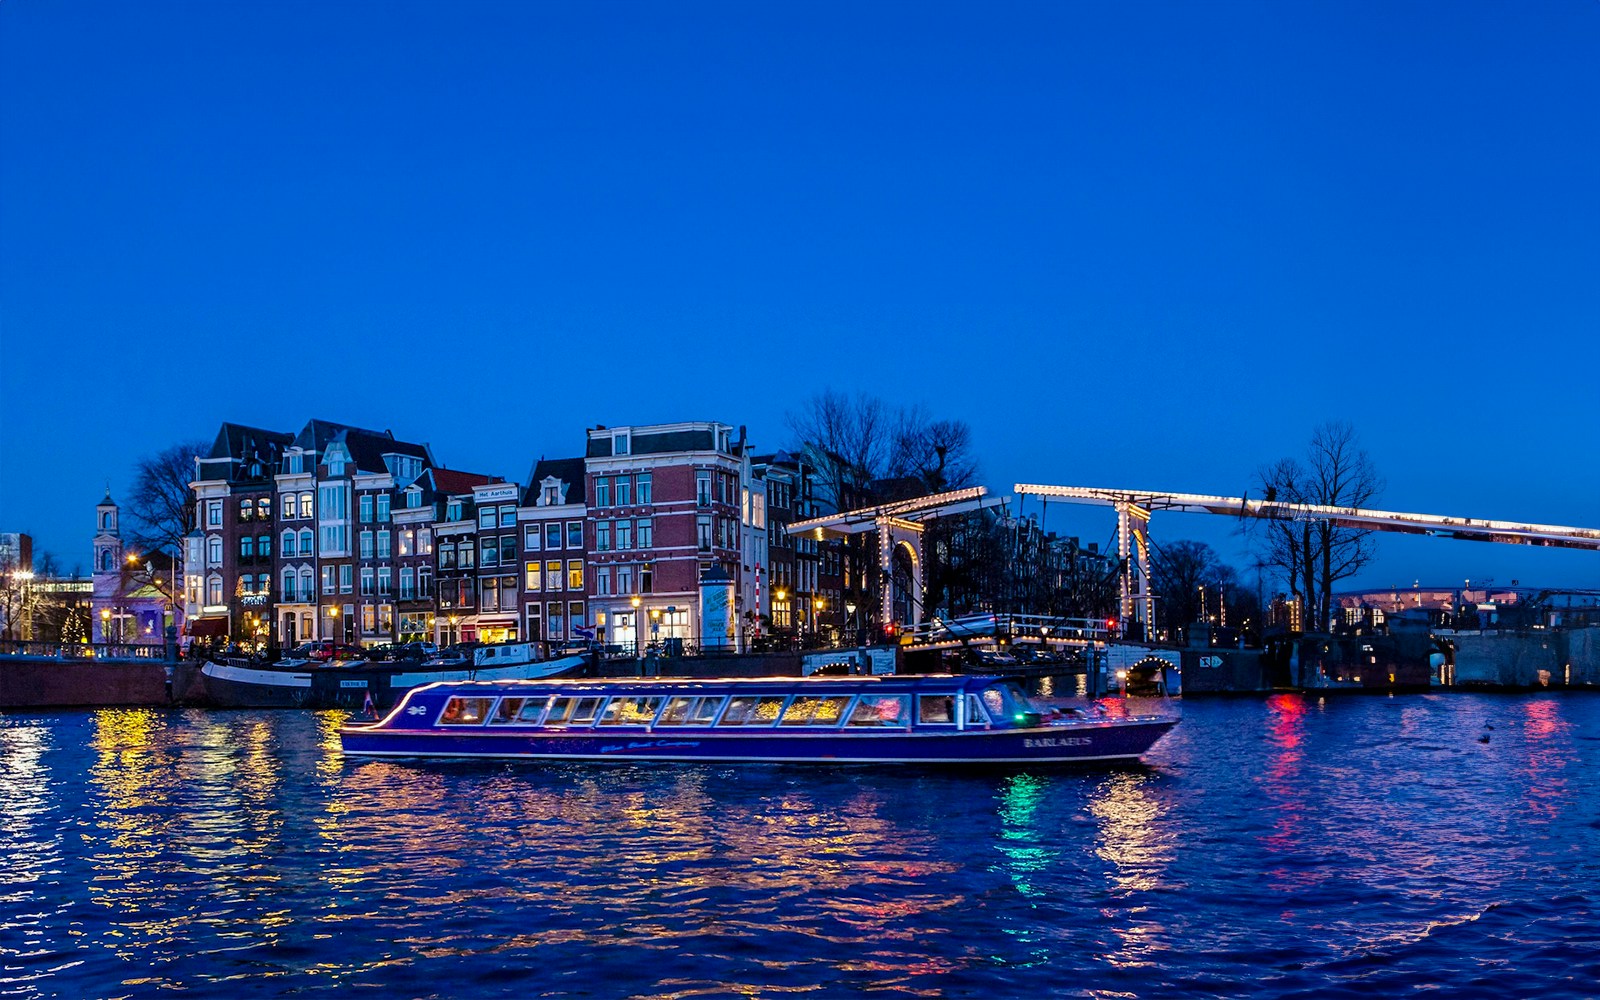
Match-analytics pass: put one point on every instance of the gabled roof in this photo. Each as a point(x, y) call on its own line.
point(366, 447)
point(567, 470)
point(452, 482)
point(240, 445)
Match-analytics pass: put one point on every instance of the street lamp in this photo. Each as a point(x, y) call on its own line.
point(105, 624)
point(638, 644)
point(850, 609)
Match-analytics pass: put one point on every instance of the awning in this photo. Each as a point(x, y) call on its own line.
point(206, 627)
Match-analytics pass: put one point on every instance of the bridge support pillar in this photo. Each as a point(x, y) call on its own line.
point(1133, 548)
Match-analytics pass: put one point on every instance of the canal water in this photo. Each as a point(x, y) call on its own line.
point(1285, 847)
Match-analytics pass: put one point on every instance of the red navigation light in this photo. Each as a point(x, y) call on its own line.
point(1111, 624)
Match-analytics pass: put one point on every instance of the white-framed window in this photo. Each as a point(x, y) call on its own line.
point(624, 535)
point(386, 619)
point(214, 589)
point(327, 580)
point(602, 491)
point(366, 544)
point(424, 582)
point(383, 507)
point(702, 487)
point(485, 517)
point(306, 508)
point(508, 517)
point(575, 575)
point(213, 513)
point(552, 574)
point(531, 537)
point(646, 535)
point(624, 491)
point(307, 545)
point(424, 541)
point(369, 619)
point(624, 580)
point(385, 578)
point(366, 507)
point(408, 583)
point(289, 594)
point(619, 444)
point(702, 531)
point(532, 576)
point(602, 581)
point(552, 535)
point(213, 550)
point(287, 508)
point(646, 578)
point(346, 578)
point(366, 581)
point(602, 536)
point(408, 542)
point(307, 581)
point(641, 492)
point(383, 543)
point(490, 552)
point(574, 534)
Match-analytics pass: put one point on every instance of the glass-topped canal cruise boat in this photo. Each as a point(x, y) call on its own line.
point(933, 719)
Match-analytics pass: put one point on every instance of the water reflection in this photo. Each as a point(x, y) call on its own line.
point(235, 853)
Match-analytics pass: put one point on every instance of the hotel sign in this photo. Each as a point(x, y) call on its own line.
point(494, 493)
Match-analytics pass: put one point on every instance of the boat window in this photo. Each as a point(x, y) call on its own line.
point(936, 709)
point(507, 711)
point(1005, 701)
point(752, 710)
point(705, 710)
point(631, 711)
point(677, 712)
point(465, 711)
point(815, 711)
point(975, 713)
point(560, 708)
point(881, 710)
point(583, 711)
point(533, 708)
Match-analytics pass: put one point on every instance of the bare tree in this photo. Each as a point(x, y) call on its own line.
point(854, 440)
point(936, 452)
point(1314, 554)
point(160, 505)
point(1178, 571)
point(846, 440)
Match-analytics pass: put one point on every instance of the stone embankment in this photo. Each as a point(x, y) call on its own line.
point(47, 682)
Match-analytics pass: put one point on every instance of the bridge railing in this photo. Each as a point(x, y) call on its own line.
point(84, 650)
point(1045, 628)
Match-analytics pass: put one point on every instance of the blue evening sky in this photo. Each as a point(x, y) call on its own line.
point(1132, 244)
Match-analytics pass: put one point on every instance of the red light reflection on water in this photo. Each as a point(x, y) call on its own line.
point(1283, 781)
point(1547, 758)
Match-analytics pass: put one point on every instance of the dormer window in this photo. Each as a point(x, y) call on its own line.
point(619, 444)
point(294, 462)
point(551, 497)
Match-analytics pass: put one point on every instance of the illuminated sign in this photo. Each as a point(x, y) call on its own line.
point(491, 494)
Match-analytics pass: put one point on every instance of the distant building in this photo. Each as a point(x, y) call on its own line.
point(229, 558)
point(665, 505)
point(455, 539)
point(16, 551)
point(132, 596)
point(556, 579)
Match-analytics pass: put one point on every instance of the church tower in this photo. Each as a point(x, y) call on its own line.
point(107, 573)
point(107, 539)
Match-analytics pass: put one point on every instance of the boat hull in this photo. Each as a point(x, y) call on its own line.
point(1089, 742)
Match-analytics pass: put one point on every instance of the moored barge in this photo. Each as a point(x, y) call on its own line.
point(931, 719)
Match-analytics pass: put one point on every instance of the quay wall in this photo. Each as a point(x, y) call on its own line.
point(39, 682)
point(1520, 660)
